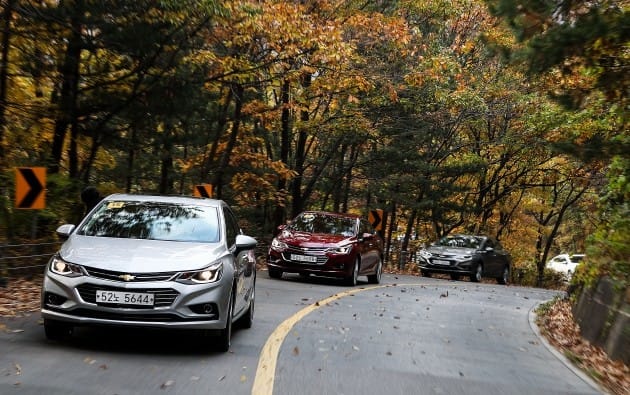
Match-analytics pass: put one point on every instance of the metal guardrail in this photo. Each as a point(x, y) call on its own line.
point(16, 259)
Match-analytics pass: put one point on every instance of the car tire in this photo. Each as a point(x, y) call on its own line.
point(454, 276)
point(275, 273)
point(352, 280)
point(224, 340)
point(425, 273)
point(376, 277)
point(56, 330)
point(505, 276)
point(477, 273)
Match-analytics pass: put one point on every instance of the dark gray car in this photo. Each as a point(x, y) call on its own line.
point(152, 261)
point(473, 256)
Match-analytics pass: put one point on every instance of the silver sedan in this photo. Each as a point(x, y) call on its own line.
point(152, 261)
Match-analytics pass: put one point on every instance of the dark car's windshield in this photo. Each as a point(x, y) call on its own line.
point(321, 223)
point(459, 241)
point(153, 220)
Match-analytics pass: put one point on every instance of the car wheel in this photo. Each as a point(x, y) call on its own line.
point(225, 335)
point(56, 330)
point(454, 276)
point(376, 277)
point(352, 280)
point(275, 273)
point(425, 273)
point(505, 276)
point(477, 273)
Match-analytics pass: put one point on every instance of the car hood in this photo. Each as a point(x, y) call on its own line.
point(304, 239)
point(445, 250)
point(139, 256)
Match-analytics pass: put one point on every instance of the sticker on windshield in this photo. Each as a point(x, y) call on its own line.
point(115, 204)
point(308, 217)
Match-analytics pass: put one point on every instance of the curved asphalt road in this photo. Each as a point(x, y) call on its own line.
point(410, 335)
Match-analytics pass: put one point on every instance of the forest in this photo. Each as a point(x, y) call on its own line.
point(502, 117)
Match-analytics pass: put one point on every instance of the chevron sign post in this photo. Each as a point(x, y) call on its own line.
point(30, 187)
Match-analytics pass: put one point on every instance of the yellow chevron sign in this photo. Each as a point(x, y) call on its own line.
point(30, 187)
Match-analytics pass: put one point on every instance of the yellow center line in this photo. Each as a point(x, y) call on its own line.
point(266, 370)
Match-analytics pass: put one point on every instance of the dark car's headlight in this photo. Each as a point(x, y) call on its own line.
point(462, 258)
point(210, 274)
point(59, 266)
point(278, 245)
point(343, 250)
point(425, 254)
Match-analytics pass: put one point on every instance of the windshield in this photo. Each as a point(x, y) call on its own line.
point(153, 220)
point(321, 223)
point(459, 241)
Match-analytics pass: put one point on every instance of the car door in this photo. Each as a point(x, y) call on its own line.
point(369, 246)
point(241, 261)
point(491, 259)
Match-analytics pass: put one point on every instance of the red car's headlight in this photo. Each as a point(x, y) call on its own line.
point(278, 245)
point(343, 250)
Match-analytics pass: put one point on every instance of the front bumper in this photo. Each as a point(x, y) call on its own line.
point(177, 305)
point(452, 266)
point(339, 266)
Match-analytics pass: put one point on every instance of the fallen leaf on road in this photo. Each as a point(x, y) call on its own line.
point(167, 384)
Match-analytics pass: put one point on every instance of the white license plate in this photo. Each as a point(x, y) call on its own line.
point(440, 262)
point(132, 298)
point(304, 258)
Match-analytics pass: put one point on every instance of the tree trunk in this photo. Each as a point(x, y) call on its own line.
point(69, 72)
point(166, 163)
point(4, 66)
point(285, 137)
point(225, 158)
point(300, 156)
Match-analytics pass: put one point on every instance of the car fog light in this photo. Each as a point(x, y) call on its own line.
point(54, 299)
point(209, 309)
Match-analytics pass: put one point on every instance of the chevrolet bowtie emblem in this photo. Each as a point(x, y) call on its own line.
point(127, 277)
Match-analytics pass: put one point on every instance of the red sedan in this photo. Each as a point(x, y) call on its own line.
point(327, 244)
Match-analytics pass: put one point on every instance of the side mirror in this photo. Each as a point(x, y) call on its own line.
point(244, 242)
point(65, 230)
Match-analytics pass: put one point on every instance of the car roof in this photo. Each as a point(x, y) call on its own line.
point(177, 199)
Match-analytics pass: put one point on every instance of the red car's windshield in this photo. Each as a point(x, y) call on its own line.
point(321, 223)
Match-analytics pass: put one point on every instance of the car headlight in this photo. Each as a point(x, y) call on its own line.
point(59, 266)
point(210, 274)
point(462, 258)
point(425, 254)
point(343, 250)
point(278, 245)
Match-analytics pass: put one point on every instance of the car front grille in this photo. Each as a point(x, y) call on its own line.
point(163, 297)
point(320, 253)
point(128, 277)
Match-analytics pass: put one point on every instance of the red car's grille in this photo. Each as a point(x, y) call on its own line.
point(297, 254)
